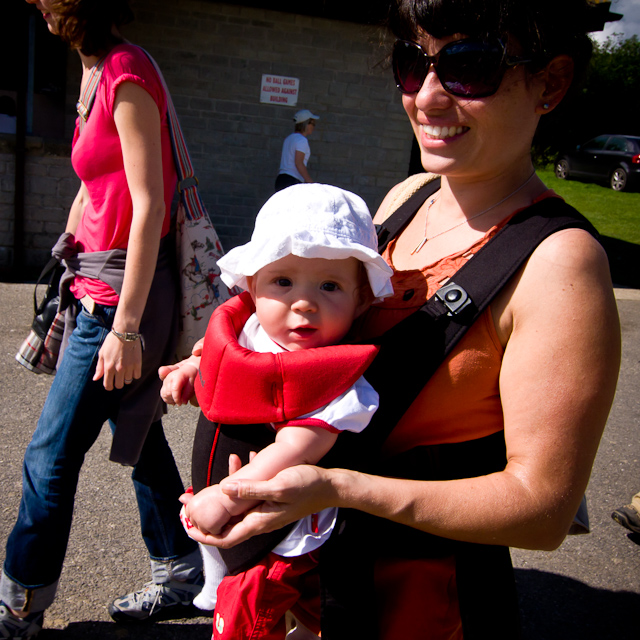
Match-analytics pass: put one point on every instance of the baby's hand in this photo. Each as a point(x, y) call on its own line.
point(235, 465)
point(205, 511)
point(178, 382)
point(197, 348)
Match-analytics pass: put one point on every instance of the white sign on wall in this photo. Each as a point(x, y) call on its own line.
point(279, 90)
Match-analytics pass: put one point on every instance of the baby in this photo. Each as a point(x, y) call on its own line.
point(310, 269)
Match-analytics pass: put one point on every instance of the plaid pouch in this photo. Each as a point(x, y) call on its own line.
point(41, 355)
point(39, 352)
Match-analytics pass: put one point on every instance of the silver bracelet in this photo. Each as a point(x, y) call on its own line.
point(128, 337)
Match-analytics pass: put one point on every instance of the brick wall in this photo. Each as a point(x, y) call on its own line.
point(50, 186)
point(213, 56)
point(7, 174)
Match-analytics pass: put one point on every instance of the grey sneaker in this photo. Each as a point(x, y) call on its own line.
point(19, 628)
point(171, 599)
point(628, 517)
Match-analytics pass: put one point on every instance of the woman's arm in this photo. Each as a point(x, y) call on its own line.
point(138, 122)
point(301, 167)
point(559, 321)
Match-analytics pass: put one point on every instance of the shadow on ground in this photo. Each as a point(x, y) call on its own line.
point(552, 607)
point(111, 631)
point(624, 258)
point(555, 607)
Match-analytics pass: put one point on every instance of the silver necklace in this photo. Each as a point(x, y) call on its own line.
point(475, 215)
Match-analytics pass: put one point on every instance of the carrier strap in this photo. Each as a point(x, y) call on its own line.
point(435, 329)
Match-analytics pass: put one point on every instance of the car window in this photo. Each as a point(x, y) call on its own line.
point(596, 144)
point(633, 145)
point(616, 144)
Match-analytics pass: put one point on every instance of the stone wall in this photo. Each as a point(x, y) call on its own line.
point(213, 56)
point(50, 186)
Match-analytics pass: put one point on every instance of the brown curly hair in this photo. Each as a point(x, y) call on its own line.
point(86, 24)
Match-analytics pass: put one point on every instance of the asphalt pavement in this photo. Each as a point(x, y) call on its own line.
point(588, 589)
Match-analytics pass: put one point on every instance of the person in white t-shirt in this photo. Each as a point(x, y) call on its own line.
point(296, 152)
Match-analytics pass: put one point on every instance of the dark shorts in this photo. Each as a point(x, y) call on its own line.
point(284, 180)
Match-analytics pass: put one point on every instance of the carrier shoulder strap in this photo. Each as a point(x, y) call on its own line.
point(465, 296)
point(430, 334)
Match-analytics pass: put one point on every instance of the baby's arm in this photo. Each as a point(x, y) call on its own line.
point(210, 509)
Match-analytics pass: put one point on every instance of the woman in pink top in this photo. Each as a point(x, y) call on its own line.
point(123, 296)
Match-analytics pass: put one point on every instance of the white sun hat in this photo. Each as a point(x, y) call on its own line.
point(310, 221)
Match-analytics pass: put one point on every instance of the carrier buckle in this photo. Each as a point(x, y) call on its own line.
point(454, 298)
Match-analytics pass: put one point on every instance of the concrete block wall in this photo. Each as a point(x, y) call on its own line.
point(7, 177)
point(50, 187)
point(213, 56)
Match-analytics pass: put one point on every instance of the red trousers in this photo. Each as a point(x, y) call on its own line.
point(253, 604)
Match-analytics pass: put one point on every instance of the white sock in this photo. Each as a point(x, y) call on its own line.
point(214, 570)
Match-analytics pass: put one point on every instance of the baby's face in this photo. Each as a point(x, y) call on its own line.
point(307, 302)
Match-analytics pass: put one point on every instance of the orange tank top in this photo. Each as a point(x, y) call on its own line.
point(461, 401)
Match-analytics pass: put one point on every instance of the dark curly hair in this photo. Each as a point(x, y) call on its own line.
point(542, 29)
point(86, 24)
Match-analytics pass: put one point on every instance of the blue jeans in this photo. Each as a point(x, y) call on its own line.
point(72, 417)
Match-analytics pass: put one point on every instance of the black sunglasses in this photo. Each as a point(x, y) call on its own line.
point(466, 68)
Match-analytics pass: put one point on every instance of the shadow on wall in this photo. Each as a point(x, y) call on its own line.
point(554, 607)
point(624, 258)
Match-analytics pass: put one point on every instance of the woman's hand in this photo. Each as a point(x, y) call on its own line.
point(293, 494)
point(119, 362)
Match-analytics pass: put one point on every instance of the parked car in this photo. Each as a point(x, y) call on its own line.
point(610, 158)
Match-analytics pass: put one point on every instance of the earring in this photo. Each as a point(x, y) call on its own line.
point(545, 106)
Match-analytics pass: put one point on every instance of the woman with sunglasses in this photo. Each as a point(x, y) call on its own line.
point(535, 375)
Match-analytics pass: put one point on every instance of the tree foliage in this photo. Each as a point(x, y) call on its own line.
point(607, 102)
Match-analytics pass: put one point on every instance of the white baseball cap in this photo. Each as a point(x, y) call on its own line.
point(303, 116)
point(310, 221)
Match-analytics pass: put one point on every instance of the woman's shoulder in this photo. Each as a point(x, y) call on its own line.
point(129, 63)
point(298, 139)
point(129, 60)
point(574, 252)
point(568, 273)
point(125, 55)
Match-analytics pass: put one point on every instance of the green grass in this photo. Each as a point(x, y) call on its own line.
point(613, 214)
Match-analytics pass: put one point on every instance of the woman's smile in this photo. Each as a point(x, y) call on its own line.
point(436, 132)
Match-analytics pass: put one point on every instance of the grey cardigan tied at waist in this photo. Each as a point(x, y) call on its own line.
point(107, 266)
point(138, 405)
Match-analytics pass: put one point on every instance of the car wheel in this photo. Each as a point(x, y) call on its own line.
point(562, 169)
point(619, 179)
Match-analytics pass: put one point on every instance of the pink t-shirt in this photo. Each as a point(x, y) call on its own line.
point(97, 159)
